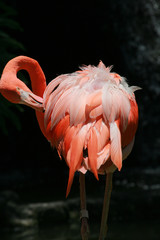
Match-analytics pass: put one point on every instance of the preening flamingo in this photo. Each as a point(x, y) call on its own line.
point(90, 116)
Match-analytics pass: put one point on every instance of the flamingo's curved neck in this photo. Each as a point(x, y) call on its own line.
point(38, 80)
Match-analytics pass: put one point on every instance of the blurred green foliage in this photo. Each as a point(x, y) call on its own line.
point(8, 29)
point(9, 48)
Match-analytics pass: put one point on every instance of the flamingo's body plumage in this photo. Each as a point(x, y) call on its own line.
point(91, 117)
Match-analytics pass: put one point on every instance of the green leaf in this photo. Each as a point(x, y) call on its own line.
point(9, 48)
point(10, 24)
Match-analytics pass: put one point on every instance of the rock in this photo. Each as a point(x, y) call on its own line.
point(14, 216)
point(50, 213)
point(136, 29)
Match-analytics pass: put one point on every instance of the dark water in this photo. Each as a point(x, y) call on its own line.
point(134, 212)
point(117, 231)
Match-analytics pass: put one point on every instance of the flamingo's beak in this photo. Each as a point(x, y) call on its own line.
point(31, 100)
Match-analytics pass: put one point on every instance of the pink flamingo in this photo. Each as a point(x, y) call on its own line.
point(90, 116)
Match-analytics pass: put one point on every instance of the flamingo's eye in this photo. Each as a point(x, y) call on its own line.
point(18, 89)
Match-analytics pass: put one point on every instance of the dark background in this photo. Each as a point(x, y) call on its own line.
point(61, 36)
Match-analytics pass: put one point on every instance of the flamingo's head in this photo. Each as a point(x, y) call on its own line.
point(15, 91)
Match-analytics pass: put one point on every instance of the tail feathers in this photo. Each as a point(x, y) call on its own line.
point(103, 156)
point(92, 152)
point(116, 150)
point(76, 156)
point(70, 180)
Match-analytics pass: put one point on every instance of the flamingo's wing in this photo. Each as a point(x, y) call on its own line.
point(88, 117)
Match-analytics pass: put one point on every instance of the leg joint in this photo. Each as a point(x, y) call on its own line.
point(84, 214)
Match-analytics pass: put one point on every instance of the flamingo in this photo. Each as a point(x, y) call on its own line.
point(90, 116)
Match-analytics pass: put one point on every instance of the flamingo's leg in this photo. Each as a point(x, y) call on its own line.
point(107, 195)
point(83, 212)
